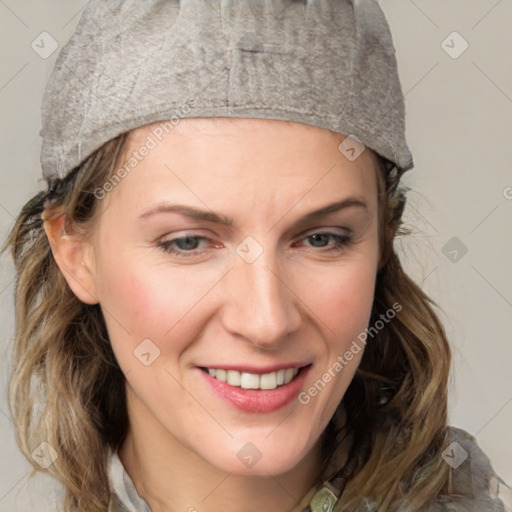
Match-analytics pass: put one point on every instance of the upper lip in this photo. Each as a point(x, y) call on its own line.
point(258, 370)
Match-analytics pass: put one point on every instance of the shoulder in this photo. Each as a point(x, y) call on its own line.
point(474, 486)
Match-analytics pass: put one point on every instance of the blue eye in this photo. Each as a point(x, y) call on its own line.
point(187, 246)
point(323, 239)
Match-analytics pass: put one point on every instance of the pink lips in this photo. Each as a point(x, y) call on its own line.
point(255, 400)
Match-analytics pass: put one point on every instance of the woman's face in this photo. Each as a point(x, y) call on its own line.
point(244, 277)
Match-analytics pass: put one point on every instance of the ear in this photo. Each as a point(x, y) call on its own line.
point(72, 254)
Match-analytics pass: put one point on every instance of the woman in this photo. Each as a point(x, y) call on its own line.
point(210, 311)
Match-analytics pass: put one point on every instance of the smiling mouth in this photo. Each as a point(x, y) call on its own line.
point(244, 380)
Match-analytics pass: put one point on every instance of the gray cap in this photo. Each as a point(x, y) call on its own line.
point(325, 63)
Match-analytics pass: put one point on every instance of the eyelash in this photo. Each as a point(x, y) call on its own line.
point(166, 246)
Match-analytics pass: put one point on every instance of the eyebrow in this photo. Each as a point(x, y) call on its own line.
point(210, 216)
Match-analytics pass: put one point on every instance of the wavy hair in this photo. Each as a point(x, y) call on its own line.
point(394, 410)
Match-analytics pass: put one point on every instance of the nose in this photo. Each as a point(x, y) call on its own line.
point(260, 305)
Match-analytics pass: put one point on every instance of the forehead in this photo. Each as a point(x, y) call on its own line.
point(217, 159)
point(278, 139)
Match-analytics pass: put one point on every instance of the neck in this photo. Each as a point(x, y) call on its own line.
point(171, 477)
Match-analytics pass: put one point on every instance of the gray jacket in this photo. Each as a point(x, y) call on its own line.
point(475, 485)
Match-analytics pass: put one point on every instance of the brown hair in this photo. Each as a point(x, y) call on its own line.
point(395, 406)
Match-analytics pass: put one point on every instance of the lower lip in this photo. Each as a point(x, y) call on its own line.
point(254, 400)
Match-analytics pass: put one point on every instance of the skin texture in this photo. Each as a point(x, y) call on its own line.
point(301, 299)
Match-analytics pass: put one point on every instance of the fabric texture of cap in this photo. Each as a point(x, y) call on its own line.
point(129, 63)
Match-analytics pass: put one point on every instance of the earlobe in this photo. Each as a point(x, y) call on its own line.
point(68, 248)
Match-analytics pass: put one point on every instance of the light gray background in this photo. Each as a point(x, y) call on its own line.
point(459, 126)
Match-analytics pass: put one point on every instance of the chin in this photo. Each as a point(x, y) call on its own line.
point(259, 458)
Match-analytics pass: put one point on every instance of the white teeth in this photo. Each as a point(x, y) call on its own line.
point(268, 381)
point(250, 381)
point(221, 375)
point(254, 381)
point(234, 378)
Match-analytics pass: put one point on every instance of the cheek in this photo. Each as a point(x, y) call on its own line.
point(142, 300)
point(350, 294)
point(340, 298)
